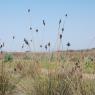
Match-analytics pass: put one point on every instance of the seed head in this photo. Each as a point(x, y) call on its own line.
point(46, 47)
point(44, 23)
point(49, 44)
point(13, 37)
point(60, 36)
point(22, 45)
point(30, 28)
point(26, 42)
point(62, 30)
point(41, 46)
point(3, 44)
point(68, 44)
point(31, 40)
point(59, 21)
point(66, 15)
point(28, 10)
point(37, 30)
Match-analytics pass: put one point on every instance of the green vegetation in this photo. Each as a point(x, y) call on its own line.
point(8, 58)
point(89, 66)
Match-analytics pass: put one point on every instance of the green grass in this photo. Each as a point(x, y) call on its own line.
point(89, 67)
point(47, 65)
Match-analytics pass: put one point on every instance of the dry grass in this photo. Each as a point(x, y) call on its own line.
point(43, 74)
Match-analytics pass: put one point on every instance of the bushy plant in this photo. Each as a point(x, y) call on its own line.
point(8, 58)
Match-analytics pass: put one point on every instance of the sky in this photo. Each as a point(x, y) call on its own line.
point(79, 26)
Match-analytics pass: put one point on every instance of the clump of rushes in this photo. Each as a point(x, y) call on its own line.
point(6, 85)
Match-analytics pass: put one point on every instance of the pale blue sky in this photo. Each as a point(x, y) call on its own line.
point(15, 20)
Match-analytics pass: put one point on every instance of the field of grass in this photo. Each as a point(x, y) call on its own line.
point(67, 73)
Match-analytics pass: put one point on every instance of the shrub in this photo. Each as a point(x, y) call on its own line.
point(8, 58)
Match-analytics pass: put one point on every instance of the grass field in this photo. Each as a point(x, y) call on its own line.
point(57, 73)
